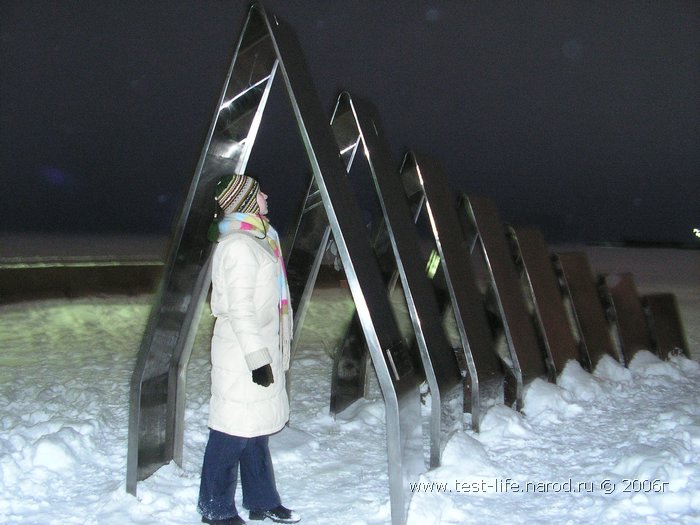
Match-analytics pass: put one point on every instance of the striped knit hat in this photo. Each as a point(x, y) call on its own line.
point(238, 193)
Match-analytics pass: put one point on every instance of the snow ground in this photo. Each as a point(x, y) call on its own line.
point(621, 445)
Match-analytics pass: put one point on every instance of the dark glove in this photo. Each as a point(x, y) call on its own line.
point(263, 376)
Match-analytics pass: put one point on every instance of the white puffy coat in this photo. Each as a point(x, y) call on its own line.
point(244, 299)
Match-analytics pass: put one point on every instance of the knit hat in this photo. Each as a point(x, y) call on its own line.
point(237, 193)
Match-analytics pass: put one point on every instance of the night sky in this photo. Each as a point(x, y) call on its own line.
point(579, 117)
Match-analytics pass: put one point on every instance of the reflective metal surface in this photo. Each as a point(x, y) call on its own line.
point(484, 230)
point(304, 253)
point(668, 336)
point(625, 314)
point(533, 258)
point(348, 382)
point(430, 197)
point(356, 126)
point(348, 388)
point(396, 375)
point(158, 384)
point(579, 287)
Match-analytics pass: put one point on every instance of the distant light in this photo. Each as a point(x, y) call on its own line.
point(433, 264)
point(696, 231)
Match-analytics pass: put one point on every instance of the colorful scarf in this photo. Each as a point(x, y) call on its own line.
point(259, 227)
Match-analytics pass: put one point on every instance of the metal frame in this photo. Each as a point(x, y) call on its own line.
point(157, 398)
point(482, 227)
point(533, 258)
point(663, 317)
point(159, 377)
point(579, 286)
point(356, 126)
point(429, 194)
point(625, 313)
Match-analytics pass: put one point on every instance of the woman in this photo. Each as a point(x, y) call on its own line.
point(249, 354)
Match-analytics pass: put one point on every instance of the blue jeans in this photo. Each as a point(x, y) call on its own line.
point(222, 457)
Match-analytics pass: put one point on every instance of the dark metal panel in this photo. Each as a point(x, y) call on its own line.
point(663, 316)
point(533, 256)
point(579, 286)
point(625, 314)
point(349, 374)
point(429, 194)
point(482, 225)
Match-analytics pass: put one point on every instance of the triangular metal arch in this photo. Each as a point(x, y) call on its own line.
point(267, 47)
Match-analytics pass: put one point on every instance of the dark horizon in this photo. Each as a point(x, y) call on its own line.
point(579, 118)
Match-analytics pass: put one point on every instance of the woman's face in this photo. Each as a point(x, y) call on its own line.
point(261, 199)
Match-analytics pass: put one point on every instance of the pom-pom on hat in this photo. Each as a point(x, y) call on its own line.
point(237, 193)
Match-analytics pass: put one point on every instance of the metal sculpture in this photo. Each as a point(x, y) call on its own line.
point(267, 48)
